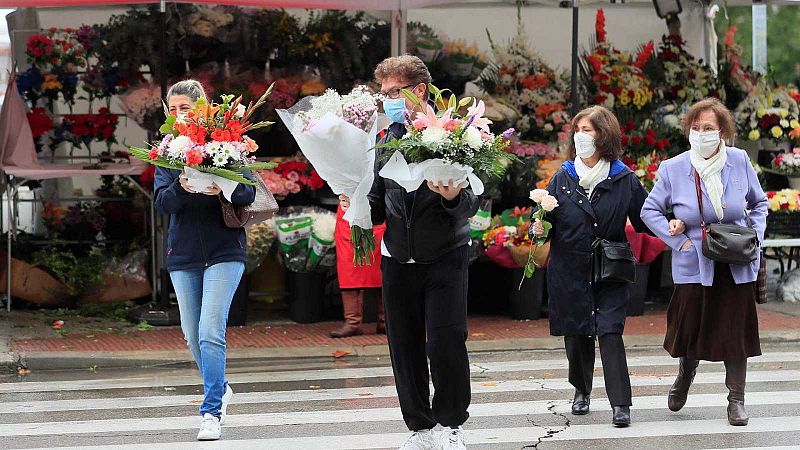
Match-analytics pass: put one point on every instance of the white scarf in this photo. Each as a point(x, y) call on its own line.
point(589, 178)
point(710, 171)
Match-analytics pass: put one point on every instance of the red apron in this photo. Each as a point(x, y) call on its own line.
point(351, 277)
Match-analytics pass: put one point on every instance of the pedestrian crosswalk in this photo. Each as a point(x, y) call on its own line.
point(519, 400)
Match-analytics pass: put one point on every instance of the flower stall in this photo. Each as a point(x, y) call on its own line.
point(92, 91)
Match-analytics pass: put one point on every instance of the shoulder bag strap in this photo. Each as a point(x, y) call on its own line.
point(700, 202)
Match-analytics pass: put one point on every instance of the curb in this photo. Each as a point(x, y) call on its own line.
point(242, 356)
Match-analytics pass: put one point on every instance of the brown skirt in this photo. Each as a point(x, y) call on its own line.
point(716, 323)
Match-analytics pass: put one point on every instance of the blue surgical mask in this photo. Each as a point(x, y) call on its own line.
point(395, 109)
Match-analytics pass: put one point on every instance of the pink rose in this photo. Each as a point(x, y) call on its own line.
point(420, 124)
point(549, 203)
point(293, 177)
point(537, 195)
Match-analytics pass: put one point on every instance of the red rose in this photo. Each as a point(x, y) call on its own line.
point(636, 139)
point(624, 140)
point(650, 140)
point(770, 194)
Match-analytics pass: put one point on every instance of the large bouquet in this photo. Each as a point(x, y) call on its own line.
point(209, 144)
point(520, 77)
point(687, 80)
point(614, 78)
point(442, 146)
point(768, 113)
point(337, 134)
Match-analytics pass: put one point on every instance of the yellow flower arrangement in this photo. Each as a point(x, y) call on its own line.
point(754, 135)
point(51, 82)
point(776, 132)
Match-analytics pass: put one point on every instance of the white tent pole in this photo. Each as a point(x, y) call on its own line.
point(399, 29)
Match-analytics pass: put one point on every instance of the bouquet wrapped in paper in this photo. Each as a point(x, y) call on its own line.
point(337, 133)
point(444, 147)
point(209, 144)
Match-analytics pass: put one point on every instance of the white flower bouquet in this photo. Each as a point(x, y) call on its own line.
point(337, 133)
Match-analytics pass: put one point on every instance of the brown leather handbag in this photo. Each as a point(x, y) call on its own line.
point(263, 208)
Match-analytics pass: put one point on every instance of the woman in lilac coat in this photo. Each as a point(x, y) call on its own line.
point(712, 315)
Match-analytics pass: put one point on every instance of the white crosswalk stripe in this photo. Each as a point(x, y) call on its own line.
point(356, 408)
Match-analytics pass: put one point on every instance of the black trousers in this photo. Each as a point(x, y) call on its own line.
point(429, 300)
point(580, 353)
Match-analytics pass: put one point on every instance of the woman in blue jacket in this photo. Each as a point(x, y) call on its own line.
point(206, 261)
point(597, 194)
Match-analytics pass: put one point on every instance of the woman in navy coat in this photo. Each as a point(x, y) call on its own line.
point(597, 195)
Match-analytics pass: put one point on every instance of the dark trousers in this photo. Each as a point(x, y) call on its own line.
point(420, 300)
point(580, 353)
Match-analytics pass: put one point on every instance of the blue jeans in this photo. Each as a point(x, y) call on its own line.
point(204, 299)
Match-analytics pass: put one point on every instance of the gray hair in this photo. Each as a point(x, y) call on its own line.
point(190, 88)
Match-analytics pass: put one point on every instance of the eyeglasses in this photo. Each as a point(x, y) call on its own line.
point(395, 92)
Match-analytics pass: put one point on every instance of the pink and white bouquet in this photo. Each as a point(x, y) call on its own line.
point(787, 163)
point(546, 203)
point(337, 133)
point(442, 146)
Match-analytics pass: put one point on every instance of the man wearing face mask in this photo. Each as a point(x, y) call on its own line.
point(425, 252)
point(596, 194)
point(712, 314)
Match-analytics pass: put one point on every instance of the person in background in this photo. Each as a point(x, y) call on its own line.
point(205, 260)
point(355, 281)
point(597, 194)
point(712, 314)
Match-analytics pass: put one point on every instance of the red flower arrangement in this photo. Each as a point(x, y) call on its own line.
point(637, 142)
point(40, 122)
point(85, 128)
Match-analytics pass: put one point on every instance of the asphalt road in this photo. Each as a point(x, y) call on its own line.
point(520, 399)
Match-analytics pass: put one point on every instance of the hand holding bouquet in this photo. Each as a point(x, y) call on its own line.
point(209, 144)
point(443, 146)
point(546, 203)
point(337, 133)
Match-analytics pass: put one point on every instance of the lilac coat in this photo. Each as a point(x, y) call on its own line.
point(675, 191)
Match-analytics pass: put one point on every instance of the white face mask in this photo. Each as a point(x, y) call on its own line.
point(705, 143)
point(584, 145)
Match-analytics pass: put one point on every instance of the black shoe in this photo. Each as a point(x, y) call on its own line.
point(622, 416)
point(580, 405)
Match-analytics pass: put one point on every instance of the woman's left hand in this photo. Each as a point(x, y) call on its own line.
point(213, 190)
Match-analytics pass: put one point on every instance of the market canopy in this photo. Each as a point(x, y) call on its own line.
point(385, 5)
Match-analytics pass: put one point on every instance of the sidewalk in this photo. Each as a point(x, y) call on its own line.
point(131, 347)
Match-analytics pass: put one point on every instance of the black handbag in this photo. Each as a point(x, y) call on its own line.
point(727, 243)
point(613, 261)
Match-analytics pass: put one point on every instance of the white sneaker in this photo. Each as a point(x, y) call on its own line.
point(420, 440)
point(452, 439)
point(209, 428)
point(226, 399)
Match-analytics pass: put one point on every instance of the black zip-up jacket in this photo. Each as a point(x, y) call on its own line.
point(420, 225)
point(198, 237)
